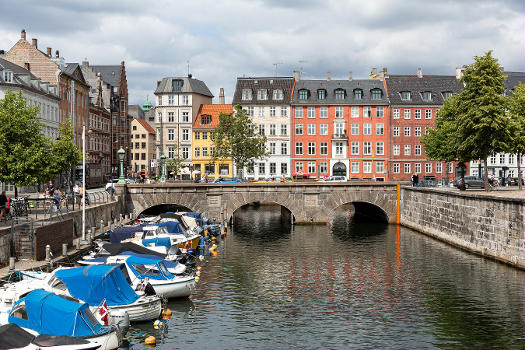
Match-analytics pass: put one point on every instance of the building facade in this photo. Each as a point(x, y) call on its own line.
point(203, 129)
point(339, 128)
point(414, 103)
point(267, 101)
point(99, 136)
point(178, 102)
point(142, 148)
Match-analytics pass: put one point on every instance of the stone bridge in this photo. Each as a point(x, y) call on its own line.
point(306, 202)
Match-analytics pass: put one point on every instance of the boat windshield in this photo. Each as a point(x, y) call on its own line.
point(54, 282)
point(163, 268)
point(89, 317)
point(146, 269)
point(163, 230)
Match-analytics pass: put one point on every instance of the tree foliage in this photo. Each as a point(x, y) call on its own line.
point(516, 107)
point(175, 164)
point(66, 154)
point(236, 137)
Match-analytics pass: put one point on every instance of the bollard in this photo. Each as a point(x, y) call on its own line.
point(101, 226)
point(93, 230)
point(115, 221)
point(89, 236)
point(48, 252)
point(77, 242)
point(11, 263)
point(64, 249)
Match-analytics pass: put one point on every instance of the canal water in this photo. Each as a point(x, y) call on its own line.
point(345, 285)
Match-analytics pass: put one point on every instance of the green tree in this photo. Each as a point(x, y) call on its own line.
point(236, 137)
point(482, 123)
point(25, 153)
point(175, 164)
point(66, 154)
point(516, 107)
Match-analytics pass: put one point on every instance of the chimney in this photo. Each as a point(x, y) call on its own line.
point(459, 73)
point(49, 52)
point(35, 42)
point(350, 76)
point(190, 76)
point(296, 75)
point(502, 69)
point(385, 72)
point(221, 96)
point(158, 83)
point(85, 63)
point(2, 52)
point(27, 66)
point(374, 72)
point(23, 34)
point(57, 54)
point(328, 76)
point(419, 73)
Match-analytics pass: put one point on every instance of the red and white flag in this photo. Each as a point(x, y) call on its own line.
point(104, 312)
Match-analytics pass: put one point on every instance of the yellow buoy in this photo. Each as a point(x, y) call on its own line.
point(205, 233)
point(158, 324)
point(198, 273)
point(197, 279)
point(150, 340)
point(211, 249)
point(213, 239)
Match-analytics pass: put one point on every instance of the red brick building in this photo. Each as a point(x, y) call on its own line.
point(340, 127)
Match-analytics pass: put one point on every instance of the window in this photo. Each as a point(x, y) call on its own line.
point(311, 148)
point(298, 166)
point(323, 129)
point(324, 148)
point(439, 168)
point(406, 113)
point(358, 94)
point(311, 129)
point(355, 167)
point(367, 112)
point(367, 167)
point(395, 131)
point(407, 150)
point(380, 148)
point(204, 135)
point(354, 149)
point(261, 111)
point(171, 134)
point(311, 167)
point(205, 119)
point(185, 100)
point(212, 134)
point(339, 112)
point(417, 114)
point(8, 76)
point(299, 148)
point(197, 152)
point(376, 94)
point(250, 111)
point(284, 129)
point(272, 129)
point(272, 147)
point(185, 152)
point(159, 118)
point(417, 150)
point(299, 112)
point(428, 167)
point(311, 112)
point(246, 94)
point(417, 131)
point(339, 148)
point(449, 168)
point(303, 94)
point(298, 129)
point(340, 94)
point(284, 148)
point(176, 84)
point(261, 129)
point(502, 158)
point(354, 129)
point(406, 168)
point(380, 129)
point(405, 95)
point(262, 168)
point(284, 111)
point(407, 131)
point(323, 112)
point(321, 94)
point(428, 114)
point(160, 100)
point(367, 148)
point(323, 167)
point(171, 117)
point(380, 112)
point(367, 129)
point(427, 96)
point(171, 100)
point(396, 168)
point(272, 111)
point(355, 112)
point(380, 167)
point(417, 167)
point(143, 145)
point(284, 168)
point(185, 134)
point(395, 113)
point(339, 129)
point(273, 168)
point(446, 94)
point(396, 150)
point(492, 159)
point(277, 94)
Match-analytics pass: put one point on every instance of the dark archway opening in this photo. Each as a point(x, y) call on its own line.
point(358, 221)
point(339, 169)
point(368, 212)
point(162, 208)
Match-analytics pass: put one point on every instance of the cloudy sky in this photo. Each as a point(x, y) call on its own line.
point(226, 39)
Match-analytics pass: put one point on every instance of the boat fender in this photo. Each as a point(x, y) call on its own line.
point(150, 340)
point(166, 312)
point(198, 273)
point(158, 324)
point(149, 290)
point(199, 268)
point(197, 279)
point(215, 253)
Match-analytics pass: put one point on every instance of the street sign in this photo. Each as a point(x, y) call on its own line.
point(153, 163)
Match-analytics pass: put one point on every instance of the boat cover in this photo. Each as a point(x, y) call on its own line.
point(173, 227)
point(167, 263)
point(124, 232)
point(135, 263)
point(95, 282)
point(13, 337)
point(118, 248)
point(158, 242)
point(196, 215)
point(48, 313)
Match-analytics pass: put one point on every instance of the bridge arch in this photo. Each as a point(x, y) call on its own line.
point(164, 207)
point(240, 202)
point(366, 211)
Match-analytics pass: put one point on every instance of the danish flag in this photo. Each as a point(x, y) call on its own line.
point(104, 312)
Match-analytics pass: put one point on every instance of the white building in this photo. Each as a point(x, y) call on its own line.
point(267, 101)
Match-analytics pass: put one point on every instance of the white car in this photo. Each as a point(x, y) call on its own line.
point(335, 179)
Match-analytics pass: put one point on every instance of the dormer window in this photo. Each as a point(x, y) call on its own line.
point(340, 94)
point(8, 76)
point(278, 94)
point(205, 119)
point(176, 84)
point(262, 94)
point(446, 94)
point(427, 96)
point(321, 94)
point(405, 95)
point(246, 94)
point(358, 94)
point(376, 94)
point(303, 94)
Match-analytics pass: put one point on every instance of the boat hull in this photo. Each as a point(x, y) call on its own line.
point(181, 287)
point(146, 308)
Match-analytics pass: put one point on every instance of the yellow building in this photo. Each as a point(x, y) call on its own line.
point(203, 128)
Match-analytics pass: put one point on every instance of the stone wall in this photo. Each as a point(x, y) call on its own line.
point(54, 235)
point(485, 224)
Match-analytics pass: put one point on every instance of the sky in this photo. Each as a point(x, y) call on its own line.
point(222, 40)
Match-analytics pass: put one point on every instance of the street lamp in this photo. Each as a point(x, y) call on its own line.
point(121, 154)
point(84, 181)
point(163, 164)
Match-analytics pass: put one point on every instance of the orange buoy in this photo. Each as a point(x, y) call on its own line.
point(215, 253)
point(199, 268)
point(150, 340)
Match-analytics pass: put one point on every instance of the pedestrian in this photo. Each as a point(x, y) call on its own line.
point(415, 180)
point(507, 181)
point(76, 193)
point(3, 205)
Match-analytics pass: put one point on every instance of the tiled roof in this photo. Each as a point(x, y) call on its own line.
point(255, 83)
point(146, 126)
point(513, 79)
point(16, 69)
point(366, 85)
point(30, 84)
point(189, 85)
point(108, 74)
point(214, 111)
point(436, 84)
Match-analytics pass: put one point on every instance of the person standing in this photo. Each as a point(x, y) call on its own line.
point(3, 205)
point(415, 179)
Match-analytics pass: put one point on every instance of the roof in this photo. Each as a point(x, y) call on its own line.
point(189, 85)
point(146, 126)
point(513, 79)
point(436, 84)
point(16, 69)
point(18, 81)
point(214, 111)
point(271, 84)
point(109, 74)
point(366, 85)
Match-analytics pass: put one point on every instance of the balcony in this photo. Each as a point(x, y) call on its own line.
point(340, 137)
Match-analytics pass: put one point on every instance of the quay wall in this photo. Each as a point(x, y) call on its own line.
point(484, 224)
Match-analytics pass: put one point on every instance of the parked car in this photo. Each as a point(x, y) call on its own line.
point(228, 180)
point(470, 182)
point(514, 181)
point(335, 179)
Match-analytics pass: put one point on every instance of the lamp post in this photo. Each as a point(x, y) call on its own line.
point(84, 181)
point(121, 154)
point(163, 165)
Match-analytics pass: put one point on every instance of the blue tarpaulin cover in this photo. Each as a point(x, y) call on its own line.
point(121, 233)
point(49, 313)
point(172, 226)
point(157, 242)
point(196, 215)
point(132, 261)
point(167, 263)
point(95, 282)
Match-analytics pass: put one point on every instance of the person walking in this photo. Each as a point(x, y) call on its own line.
point(3, 205)
point(415, 180)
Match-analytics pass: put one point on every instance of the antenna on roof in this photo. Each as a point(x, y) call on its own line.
point(188, 62)
point(275, 65)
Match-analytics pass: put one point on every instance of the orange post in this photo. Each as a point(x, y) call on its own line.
point(398, 210)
